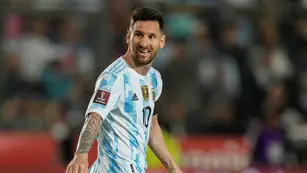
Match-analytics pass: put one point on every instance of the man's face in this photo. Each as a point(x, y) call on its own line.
point(144, 40)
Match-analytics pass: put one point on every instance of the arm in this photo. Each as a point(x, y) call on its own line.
point(104, 100)
point(88, 133)
point(157, 145)
point(87, 137)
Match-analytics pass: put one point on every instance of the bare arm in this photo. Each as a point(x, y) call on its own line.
point(157, 145)
point(88, 133)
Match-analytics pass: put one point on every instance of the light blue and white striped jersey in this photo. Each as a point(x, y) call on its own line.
point(125, 100)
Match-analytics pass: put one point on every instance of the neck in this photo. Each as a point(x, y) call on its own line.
point(142, 70)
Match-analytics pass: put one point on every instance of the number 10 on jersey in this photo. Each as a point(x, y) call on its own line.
point(146, 115)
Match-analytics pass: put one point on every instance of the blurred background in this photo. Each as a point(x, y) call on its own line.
point(234, 72)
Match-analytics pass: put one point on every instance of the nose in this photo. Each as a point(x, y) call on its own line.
point(144, 42)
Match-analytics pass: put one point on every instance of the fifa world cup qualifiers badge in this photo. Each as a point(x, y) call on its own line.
point(102, 97)
point(145, 92)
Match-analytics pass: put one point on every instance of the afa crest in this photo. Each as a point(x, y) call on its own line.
point(145, 92)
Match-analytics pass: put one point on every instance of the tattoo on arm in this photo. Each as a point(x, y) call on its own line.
point(88, 134)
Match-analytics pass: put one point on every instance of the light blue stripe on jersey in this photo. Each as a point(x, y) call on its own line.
point(107, 144)
point(107, 128)
point(106, 83)
point(129, 108)
point(114, 66)
point(118, 66)
point(145, 114)
point(154, 81)
point(121, 68)
point(113, 167)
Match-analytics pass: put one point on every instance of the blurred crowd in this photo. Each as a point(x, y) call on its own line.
point(231, 67)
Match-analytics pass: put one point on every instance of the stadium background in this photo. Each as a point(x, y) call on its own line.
point(234, 71)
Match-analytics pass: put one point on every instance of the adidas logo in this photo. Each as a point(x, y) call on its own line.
point(134, 97)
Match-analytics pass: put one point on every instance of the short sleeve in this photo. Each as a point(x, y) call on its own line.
point(157, 84)
point(106, 95)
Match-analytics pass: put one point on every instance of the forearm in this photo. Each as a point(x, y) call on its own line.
point(157, 145)
point(88, 133)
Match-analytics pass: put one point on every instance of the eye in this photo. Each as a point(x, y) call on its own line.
point(138, 34)
point(152, 36)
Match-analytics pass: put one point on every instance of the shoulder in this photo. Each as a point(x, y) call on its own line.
point(156, 82)
point(155, 78)
point(116, 68)
point(155, 74)
point(112, 73)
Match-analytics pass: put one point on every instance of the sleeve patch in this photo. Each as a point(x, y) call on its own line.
point(102, 97)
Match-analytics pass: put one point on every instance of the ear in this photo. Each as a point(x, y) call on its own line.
point(162, 41)
point(128, 36)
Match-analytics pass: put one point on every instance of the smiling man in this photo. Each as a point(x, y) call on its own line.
point(121, 114)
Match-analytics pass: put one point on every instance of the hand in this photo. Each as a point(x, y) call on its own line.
point(79, 164)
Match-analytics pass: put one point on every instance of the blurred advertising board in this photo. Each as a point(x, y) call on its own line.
point(246, 170)
point(215, 153)
point(29, 153)
point(207, 153)
point(39, 152)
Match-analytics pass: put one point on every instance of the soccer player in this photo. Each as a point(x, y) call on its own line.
point(121, 114)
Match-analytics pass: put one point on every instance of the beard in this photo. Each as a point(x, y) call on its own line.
point(141, 61)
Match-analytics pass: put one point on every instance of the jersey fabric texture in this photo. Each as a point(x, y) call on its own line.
point(125, 100)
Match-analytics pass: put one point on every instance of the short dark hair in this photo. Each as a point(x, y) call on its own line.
point(147, 14)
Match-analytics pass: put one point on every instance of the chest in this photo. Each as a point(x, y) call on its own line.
point(138, 92)
point(137, 99)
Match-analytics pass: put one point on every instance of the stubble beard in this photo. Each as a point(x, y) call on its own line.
point(142, 63)
point(139, 62)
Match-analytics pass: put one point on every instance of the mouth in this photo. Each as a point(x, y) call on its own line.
point(143, 52)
